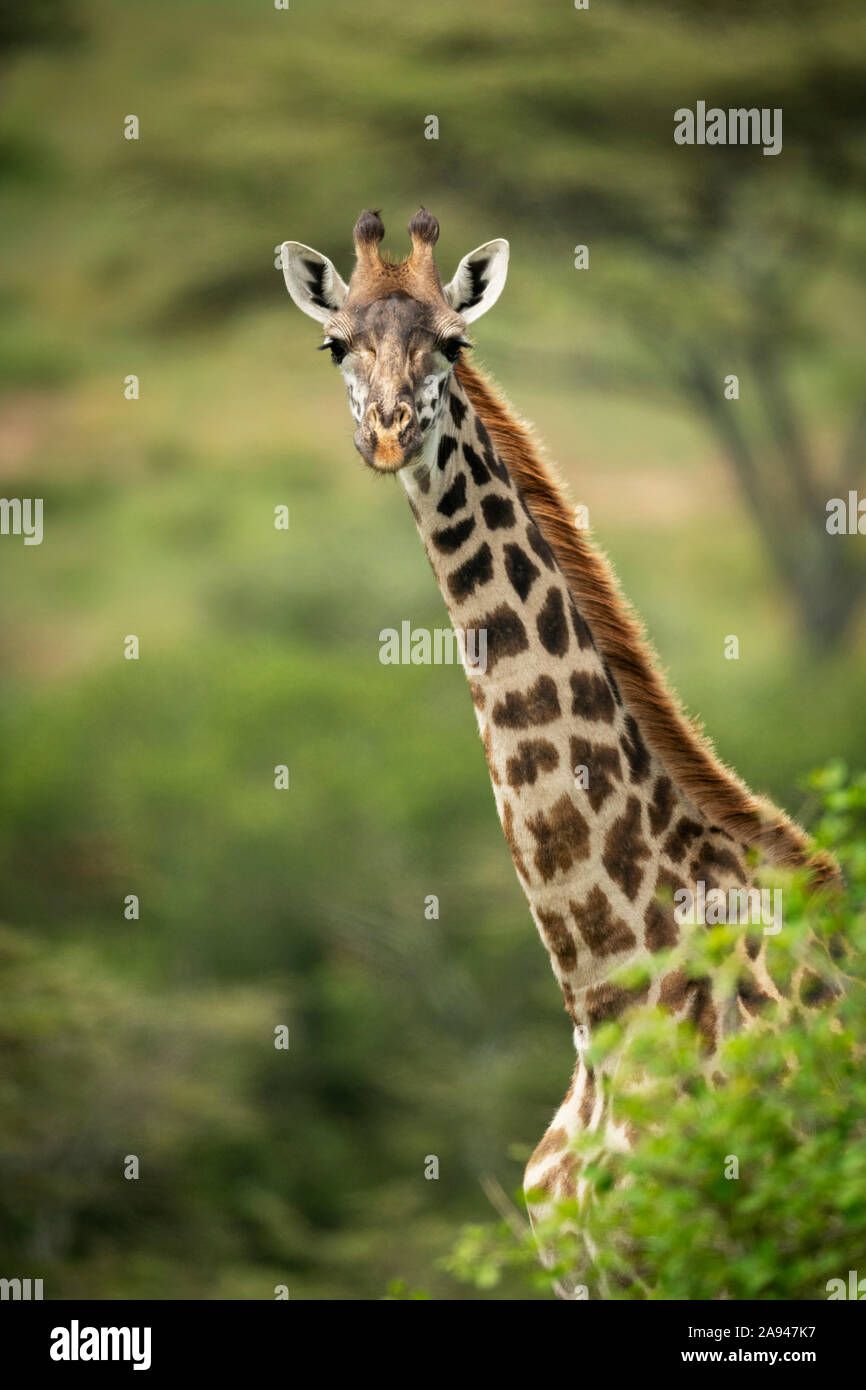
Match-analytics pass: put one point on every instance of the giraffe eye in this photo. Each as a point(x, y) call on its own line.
point(337, 348)
point(451, 348)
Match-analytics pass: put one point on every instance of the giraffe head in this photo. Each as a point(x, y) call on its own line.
point(394, 331)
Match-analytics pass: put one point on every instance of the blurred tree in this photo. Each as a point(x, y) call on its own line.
point(39, 22)
point(720, 260)
point(96, 1070)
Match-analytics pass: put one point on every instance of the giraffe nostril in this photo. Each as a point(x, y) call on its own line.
point(396, 421)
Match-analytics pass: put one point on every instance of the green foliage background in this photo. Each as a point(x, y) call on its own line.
point(156, 257)
point(750, 1190)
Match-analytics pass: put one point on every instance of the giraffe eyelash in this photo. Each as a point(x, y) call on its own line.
point(337, 347)
point(452, 347)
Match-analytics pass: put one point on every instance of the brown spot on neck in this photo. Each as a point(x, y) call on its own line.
point(687, 756)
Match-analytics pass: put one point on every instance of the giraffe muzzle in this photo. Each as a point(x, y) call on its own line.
point(389, 438)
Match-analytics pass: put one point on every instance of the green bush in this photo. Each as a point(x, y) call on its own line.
point(677, 1218)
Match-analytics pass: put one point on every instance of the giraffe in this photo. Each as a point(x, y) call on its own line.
point(610, 799)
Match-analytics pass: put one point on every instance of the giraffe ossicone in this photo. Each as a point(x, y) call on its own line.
point(569, 680)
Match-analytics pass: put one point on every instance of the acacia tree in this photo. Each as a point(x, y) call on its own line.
point(737, 300)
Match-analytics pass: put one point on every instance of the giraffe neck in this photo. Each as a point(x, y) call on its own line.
point(595, 826)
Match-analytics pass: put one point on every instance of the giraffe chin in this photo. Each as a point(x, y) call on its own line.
point(388, 456)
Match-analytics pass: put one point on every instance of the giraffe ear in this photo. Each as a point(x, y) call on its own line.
point(312, 281)
point(479, 280)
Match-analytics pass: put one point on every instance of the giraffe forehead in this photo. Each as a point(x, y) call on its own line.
point(397, 318)
point(397, 315)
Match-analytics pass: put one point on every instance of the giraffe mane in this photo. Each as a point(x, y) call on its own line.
point(680, 743)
